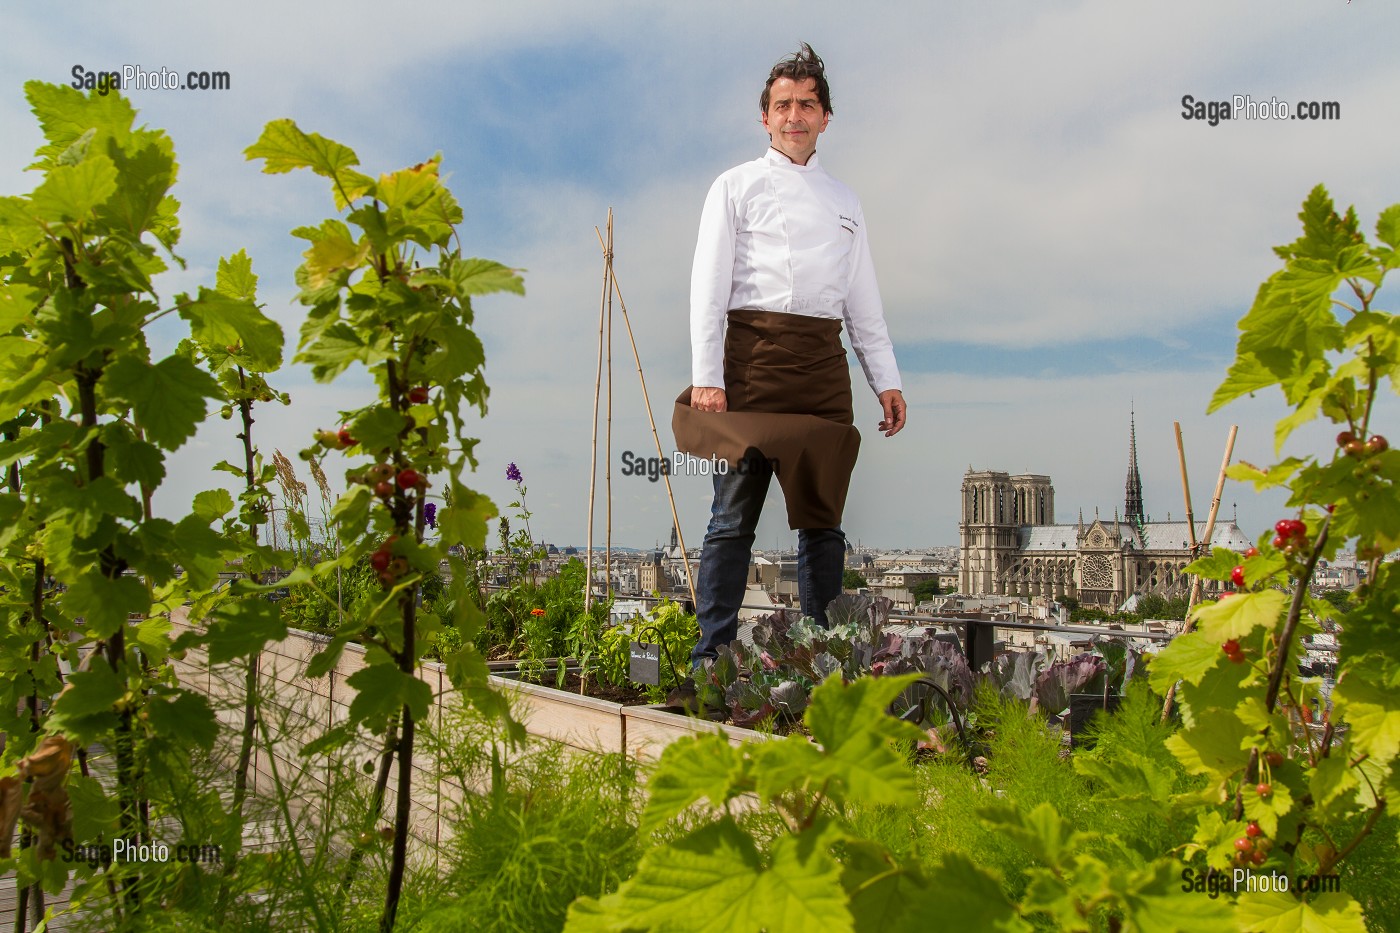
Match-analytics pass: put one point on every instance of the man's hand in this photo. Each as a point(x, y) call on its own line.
point(892, 401)
point(708, 398)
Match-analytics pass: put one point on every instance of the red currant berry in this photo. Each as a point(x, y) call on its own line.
point(1259, 857)
point(1354, 449)
point(1273, 758)
point(1224, 596)
point(345, 438)
point(1230, 647)
point(1236, 657)
point(418, 395)
point(386, 577)
point(1345, 438)
point(1244, 845)
point(408, 478)
point(1377, 445)
point(1252, 830)
point(383, 489)
point(379, 560)
point(1237, 576)
point(1296, 528)
point(1264, 790)
point(1280, 541)
point(1252, 552)
point(398, 566)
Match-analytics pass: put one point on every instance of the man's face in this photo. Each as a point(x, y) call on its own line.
point(795, 118)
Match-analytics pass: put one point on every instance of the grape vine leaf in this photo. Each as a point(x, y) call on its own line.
point(167, 398)
point(1281, 912)
point(1238, 616)
point(70, 193)
point(284, 146)
point(714, 881)
point(691, 769)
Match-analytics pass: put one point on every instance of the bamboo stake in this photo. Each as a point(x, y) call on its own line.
point(1186, 488)
point(593, 469)
point(656, 438)
point(607, 466)
point(1195, 596)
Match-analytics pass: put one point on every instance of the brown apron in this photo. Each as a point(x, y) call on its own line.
point(788, 390)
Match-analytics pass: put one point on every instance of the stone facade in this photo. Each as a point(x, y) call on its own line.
point(1011, 545)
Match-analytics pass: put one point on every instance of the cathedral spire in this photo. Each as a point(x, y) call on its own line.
point(1133, 491)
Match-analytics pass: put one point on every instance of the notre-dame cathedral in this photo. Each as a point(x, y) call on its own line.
point(1011, 545)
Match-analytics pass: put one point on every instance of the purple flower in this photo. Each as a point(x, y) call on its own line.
point(430, 515)
point(513, 474)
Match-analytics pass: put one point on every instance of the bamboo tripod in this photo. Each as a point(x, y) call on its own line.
point(1195, 596)
point(610, 288)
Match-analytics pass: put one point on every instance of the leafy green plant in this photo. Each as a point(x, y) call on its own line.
point(88, 417)
point(396, 298)
point(1314, 782)
point(536, 828)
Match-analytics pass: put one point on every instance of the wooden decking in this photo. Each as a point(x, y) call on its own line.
point(261, 833)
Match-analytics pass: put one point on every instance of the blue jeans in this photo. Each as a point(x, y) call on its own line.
point(724, 561)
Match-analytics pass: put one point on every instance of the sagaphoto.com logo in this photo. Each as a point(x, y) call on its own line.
point(1245, 107)
point(129, 78)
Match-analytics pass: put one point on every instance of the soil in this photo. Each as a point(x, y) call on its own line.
point(627, 696)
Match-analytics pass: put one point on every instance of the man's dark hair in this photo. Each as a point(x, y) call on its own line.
point(802, 64)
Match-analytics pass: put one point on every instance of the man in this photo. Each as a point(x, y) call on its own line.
point(783, 260)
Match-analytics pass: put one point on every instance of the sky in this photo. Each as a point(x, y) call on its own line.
point(1059, 251)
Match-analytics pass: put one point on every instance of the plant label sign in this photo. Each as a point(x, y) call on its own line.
point(644, 663)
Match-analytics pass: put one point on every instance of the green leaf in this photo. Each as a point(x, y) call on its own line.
point(1213, 746)
point(1279, 912)
point(235, 278)
point(856, 735)
point(713, 881)
point(182, 723)
point(382, 690)
point(212, 504)
point(72, 192)
point(483, 276)
point(105, 604)
point(1277, 475)
point(1216, 566)
point(283, 146)
point(133, 460)
point(1388, 226)
point(218, 321)
point(241, 627)
point(1266, 810)
point(331, 254)
point(1370, 706)
point(1043, 833)
point(145, 176)
point(339, 346)
point(458, 353)
point(465, 521)
point(702, 767)
point(1188, 657)
point(93, 811)
point(167, 399)
point(961, 896)
point(1238, 616)
point(152, 635)
point(91, 691)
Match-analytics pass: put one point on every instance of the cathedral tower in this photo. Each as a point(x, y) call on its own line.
point(1133, 491)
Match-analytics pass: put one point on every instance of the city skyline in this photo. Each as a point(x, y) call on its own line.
point(1059, 242)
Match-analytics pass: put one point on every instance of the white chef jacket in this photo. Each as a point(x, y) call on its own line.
point(777, 236)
